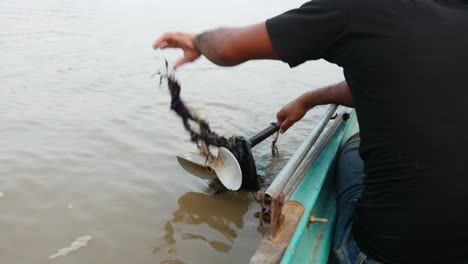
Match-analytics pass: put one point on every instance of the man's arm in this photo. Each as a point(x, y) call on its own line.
point(296, 109)
point(223, 46)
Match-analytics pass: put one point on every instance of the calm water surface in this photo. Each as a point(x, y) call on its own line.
point(88, 144)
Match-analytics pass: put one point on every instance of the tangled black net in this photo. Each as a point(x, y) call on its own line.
point(204, 137)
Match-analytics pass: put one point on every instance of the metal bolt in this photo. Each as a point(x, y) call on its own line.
point(314, 219)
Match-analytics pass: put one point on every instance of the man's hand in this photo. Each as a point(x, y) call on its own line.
point(290, 114)
point(295, 110)
point(222, 46)
point(186, 42)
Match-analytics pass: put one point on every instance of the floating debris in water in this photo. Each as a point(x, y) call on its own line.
point(70, 206)
point(204, 137)
point(77, 244)
point(1, 195)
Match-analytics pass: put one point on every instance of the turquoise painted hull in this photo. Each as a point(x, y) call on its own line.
point(312, 243)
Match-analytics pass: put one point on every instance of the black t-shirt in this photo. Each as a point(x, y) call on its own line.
point(406, 63)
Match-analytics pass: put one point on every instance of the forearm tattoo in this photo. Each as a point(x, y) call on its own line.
point(210, 43)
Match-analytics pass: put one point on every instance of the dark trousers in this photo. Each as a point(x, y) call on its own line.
point(349, 188)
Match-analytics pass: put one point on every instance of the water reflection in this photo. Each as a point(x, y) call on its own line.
point(207, 219)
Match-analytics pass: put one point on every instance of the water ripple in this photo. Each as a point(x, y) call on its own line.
point(88, 142)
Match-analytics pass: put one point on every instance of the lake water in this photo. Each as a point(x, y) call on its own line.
point(88, 144)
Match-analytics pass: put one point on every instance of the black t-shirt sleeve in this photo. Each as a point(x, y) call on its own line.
point(309, 32)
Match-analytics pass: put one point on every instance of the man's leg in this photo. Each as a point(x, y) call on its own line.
point(349, 188)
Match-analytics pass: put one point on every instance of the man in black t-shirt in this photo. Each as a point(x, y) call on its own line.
point(406, 65)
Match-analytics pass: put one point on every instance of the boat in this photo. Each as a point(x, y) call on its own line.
point(299, 207)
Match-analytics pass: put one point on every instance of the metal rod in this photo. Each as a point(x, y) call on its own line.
point(285, 174)
point(301, 171)
point(262, 135)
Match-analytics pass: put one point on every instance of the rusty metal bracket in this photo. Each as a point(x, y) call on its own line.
point(273, 216)
point(277, 218)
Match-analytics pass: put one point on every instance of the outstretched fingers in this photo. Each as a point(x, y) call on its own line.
point(172, 40)
point(184, 41)
point(160, 42)
point(164, 41)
